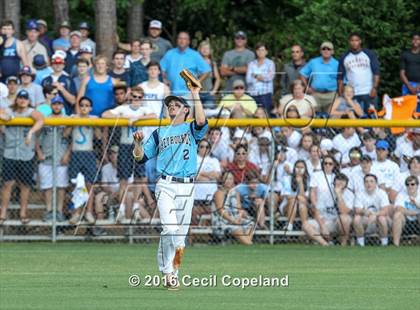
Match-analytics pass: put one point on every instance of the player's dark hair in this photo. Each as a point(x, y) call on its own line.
point(370, 175)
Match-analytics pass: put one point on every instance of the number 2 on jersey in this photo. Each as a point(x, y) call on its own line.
point(186, 154)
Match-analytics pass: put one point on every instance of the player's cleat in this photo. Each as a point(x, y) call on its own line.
point(171, 282)
point(179, 253)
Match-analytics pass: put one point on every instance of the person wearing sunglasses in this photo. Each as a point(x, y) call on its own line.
point(134, 110)
point(175, 147)
point(413, 169)
point(238, 103)
point(320, 77)
point(372, 211)
point(407, 210)
point(360, 68)
point(49, 92)
point(291, 70)
point(240, 164)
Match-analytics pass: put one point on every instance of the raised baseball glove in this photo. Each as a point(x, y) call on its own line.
point(190, 79)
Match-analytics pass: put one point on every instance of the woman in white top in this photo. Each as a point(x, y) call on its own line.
point(407, 207)
point(306, 104)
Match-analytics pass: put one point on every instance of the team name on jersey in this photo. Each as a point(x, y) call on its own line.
point(173, 140)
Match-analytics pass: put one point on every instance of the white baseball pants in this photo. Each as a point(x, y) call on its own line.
point(175, 202)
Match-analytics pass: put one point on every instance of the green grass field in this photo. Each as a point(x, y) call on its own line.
point(95, 276)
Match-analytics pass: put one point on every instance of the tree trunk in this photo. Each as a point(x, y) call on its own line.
point(106, 26)
point(135, 20)
point(12, 11)
point(61, 12)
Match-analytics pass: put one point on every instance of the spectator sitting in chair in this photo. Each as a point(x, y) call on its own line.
point(369, 148)
point(371, 210)
point(332, 218)
point(240, 104)
point(229, 216)
point(306, 104)
point(253, 195)
point(407, 210)
point(241, 165)
point(345, 105)
point(413, 170)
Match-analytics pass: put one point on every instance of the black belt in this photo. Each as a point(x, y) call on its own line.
point(175, 179)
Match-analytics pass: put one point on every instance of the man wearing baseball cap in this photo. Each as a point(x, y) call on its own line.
point(35, 91)
point(160, 45)
point(86, 41)
point(73, 53)
point(12, 83)
point(63, 42)
point(43, 38)
point(32, 45)
point(235, 62)
point(320, 77)
point(41, 67)
point(61, 81)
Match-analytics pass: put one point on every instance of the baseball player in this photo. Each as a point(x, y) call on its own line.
point(175, 147)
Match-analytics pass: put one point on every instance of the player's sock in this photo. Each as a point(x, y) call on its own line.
point(361, 241)
point(384, 241)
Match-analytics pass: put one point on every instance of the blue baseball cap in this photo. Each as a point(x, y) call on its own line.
point(31, 25)
point(57, 99)
point(382, 144)
point(23, 93)
point(176, 98)
point(39, 61)
point(84, 25)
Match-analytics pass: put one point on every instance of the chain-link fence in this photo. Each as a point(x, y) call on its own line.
point(255, 185)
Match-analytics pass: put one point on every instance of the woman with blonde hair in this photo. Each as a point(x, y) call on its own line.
point(98, 87)
point(346, 105)
point(211, 83)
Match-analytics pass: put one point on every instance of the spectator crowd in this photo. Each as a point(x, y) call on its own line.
point(338, 182)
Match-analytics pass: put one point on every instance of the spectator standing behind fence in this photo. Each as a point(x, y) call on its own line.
point(346, 105)
point(154, 90)
point(371, 211)
point(209, 90)
point(12, 52)
point(407, 209)
point(63, 42)
point(73, 53)
point(134, 54)
point(259, 78)
point(49, 93)
point(118, 71)
point(410, 68)
point(32, 45)
point(306, 104)
point(179, 58)
point(229, 216)
point(83, 158)
point(320, 76)
point(60, 80)
point(12, 83)
point(61, 158)
point(235, 62)
point(360, 68)
point(19, 153)
point(82, 72)
point(26, 77)
point(238, 103)
point(98, 86)
point(290, 71)
point(42, 69)
point(85, 40)
point(138, 68)
point(160, 45)
point(134, 111)
point(43, 38)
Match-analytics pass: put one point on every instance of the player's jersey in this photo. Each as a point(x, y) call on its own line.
point(175, 147)
point(82, 138)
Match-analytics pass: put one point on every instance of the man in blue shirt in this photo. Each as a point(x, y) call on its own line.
point(175, 147)
point(320, 74)
point(179, 58)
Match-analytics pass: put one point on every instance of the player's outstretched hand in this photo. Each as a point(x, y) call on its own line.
point(138, 136)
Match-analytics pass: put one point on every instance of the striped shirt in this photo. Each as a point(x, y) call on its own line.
point(267, 70)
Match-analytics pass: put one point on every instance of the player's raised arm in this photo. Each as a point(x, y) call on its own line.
point(200, 117)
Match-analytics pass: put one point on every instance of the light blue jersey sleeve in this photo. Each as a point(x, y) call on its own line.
point(150, 147)
point(198, 132)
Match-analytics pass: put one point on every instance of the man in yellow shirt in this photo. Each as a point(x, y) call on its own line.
point(240, 104)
